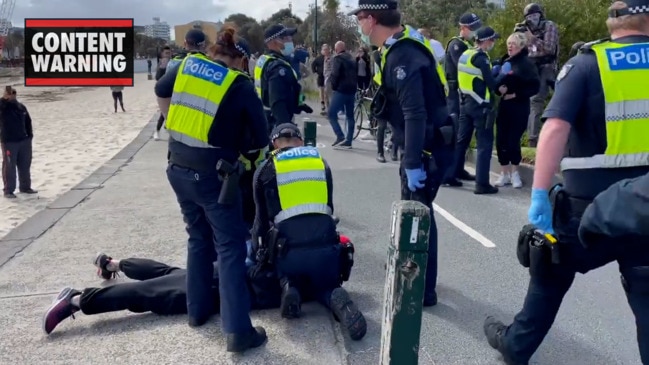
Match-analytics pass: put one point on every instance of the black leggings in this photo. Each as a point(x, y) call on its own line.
point(161, 120)
point(117, 96)
point(510, 126)
point(161, 289)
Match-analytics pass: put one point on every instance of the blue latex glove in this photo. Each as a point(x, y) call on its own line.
point(495, 70)
point(416, 178)
point(507, 68)
point(540, 213)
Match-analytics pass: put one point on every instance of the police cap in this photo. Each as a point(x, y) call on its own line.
point(195, 37)
point(372, 5)
point(633, 7)
point(243, 47)
point(470, 20)
point(278, 31)
point(285, 130)
point(486, 34)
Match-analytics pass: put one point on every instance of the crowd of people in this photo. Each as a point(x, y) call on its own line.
point(258, 204)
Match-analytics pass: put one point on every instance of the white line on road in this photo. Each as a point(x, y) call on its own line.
point(463, 227)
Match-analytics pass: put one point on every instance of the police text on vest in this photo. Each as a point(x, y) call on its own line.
point(631, 57)
point(79, 52)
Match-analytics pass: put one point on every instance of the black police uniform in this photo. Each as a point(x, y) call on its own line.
point(238, 126)
point(416, 110)
point(579, 100)
point(478, 117)
point(280, 91)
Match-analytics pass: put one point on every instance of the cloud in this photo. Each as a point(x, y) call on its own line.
point(172, 11)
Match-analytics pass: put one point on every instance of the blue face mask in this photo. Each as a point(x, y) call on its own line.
point(288, 49)
point(364, 38)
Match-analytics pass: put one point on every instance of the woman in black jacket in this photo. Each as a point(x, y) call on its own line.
point(520, 77)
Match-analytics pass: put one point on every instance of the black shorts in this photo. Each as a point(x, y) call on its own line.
point(320, 81)
point(117, 95)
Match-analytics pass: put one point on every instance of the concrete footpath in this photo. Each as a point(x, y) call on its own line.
point(128, 209)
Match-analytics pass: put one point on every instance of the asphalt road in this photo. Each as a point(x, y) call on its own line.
point(479, 274)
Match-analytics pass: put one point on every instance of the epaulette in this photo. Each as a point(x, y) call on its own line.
point(588, 47)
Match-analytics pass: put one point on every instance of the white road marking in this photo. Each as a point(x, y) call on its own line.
point(320, 145)
point(463, 227)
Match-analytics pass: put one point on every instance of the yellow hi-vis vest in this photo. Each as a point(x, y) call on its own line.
point(467, 72)
point(199, 89)
point(174, 62)
point(411, 34)
point(260, 67)
point(627, 107)
point(377, 69)
point(301, 183)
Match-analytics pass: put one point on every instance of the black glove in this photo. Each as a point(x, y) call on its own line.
point(305, 108)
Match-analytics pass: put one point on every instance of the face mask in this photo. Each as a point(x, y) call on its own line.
point(534, 19)
point(288, 49)
point(490, 47)
point(472, 34)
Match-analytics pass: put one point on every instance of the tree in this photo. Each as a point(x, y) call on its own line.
point(249, 29)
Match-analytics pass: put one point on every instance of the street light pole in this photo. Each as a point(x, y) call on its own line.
point(315, 28)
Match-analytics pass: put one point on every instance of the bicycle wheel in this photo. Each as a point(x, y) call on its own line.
point(359, 116)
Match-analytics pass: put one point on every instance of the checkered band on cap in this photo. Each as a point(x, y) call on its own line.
point(273, 36)
point(640, 9)
point(488, 38)
point(240, 49)
point(373, 7)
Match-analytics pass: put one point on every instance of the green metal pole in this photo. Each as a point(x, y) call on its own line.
point(310, 131)
point(404, 283)
point(315, 28)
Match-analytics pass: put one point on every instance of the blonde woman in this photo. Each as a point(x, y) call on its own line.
point(521, 78)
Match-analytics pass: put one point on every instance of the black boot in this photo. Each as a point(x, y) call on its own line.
point(240, 342)
point(494, 330)
point(466, 176)
point(430, 299)
point(290, 307)
point(347, 313)
point(485, 189)
point(380, 158)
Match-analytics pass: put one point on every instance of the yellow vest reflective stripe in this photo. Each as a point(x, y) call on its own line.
point(260, 67)
point(377, 69)
point(301, 183)
point(621, 66)
point(467, 72)
point(411, 34)
point(467, 43)
point(199, 88)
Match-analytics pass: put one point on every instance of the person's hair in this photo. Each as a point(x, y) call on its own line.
point(519, 39)
point(225, 43)
point(635, 22)
point(386, 18)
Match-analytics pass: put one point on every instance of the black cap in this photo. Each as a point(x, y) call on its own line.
point(278, 31)
point(486, 33)
point(243, 47)
point(195, 37)
point(633, 7)
point(286, 130)
point(470, 20)
point(374, 5)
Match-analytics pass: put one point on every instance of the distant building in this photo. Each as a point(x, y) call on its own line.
point(158, 29)
point(497, 3)
point(209, 28)
point(140, 29)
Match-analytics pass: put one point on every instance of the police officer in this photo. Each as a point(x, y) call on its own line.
point(294, 191)
point(602, 113)
point(413, 88)
point(477, 91)
point(214, 116)
point(469, 24)
point(195, 41)
point(543, 46)
point(276, 81)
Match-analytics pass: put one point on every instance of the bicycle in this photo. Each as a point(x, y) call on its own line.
point(363, 118)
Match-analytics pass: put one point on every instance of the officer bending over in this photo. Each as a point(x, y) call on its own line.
point(276, 81)
point(414, 103)
point(214, 116)
point(469, 24)
point(599, 109)
point(296, 232)
point(158, 288)
point(478, 89)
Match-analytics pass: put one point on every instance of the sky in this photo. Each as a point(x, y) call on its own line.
point(172, 11)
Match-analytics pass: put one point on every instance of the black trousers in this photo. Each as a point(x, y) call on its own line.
point(511, 123)
point(161, 120)
point(380, 138)
point(161, 289)
point(118, 96)
point(16, 156)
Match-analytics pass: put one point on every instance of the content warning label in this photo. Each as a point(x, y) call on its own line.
point(79, 52)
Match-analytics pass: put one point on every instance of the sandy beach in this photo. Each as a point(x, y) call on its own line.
point(75, 131)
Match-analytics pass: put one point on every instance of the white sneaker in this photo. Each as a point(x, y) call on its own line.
point(156, 136)
point(517, 183)
point(503, 180)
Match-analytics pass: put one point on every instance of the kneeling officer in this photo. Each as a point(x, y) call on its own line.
point(213, 110)
point(296, 232)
